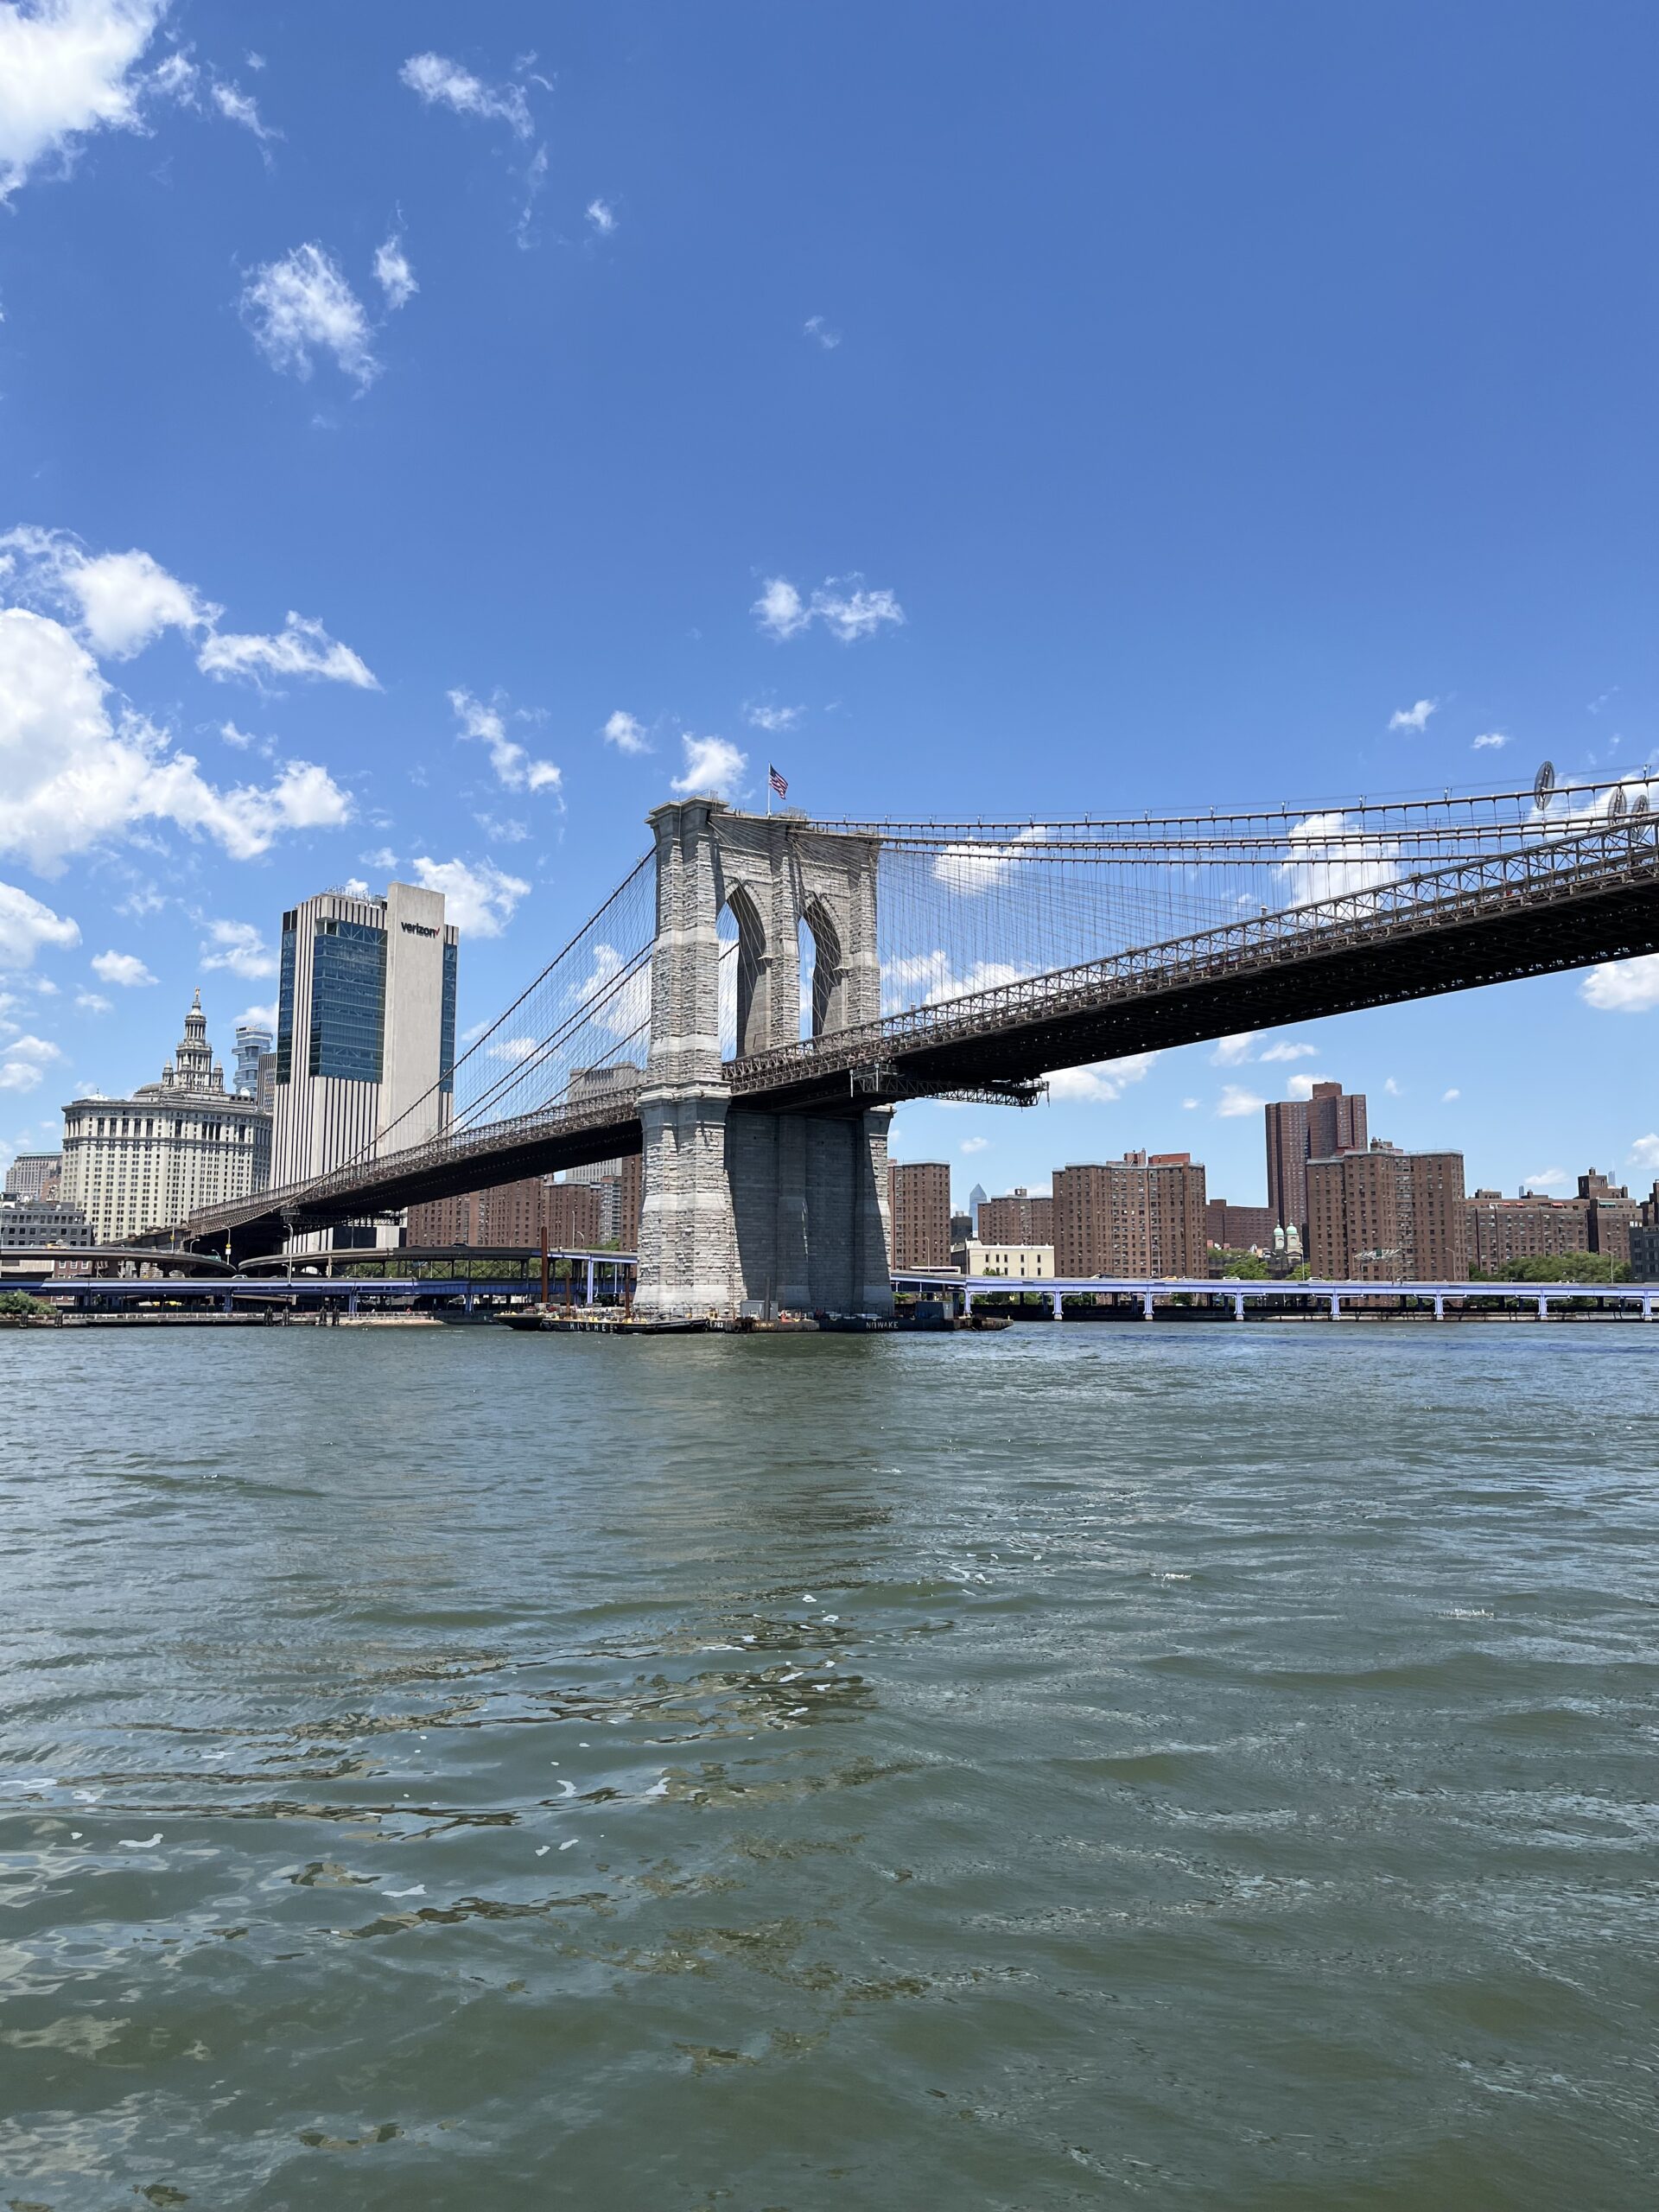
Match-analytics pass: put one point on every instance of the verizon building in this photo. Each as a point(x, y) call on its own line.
point(365, 1030)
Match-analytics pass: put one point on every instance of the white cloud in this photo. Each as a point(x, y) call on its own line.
point(1623, 986)
point(711, 765)
point(1189, 1105)
point(1326, 862)
point(1547, 1179)
point(1392, 1087)
point(627, 734)
point(503, 829)
point(816, 328)
point(1285, 1052)
point(779, 609)
point(479, 900)
point(393, 274)
point(443, 83)
point(1231, 1050)
point(1103, 1082)
point(240, 947)
point(1446, 1096)
point(513, 1049)
point(302, 306)
point(67, 68)
point(120, 601)
point(972, 868)
point(602, 216)
point(841, 603)
point(513, 765)
point(124, 968)
point(1235, 1101)
point(620, 1006)
point(1492, 740)
point(92, 1002)
point(302, 647)
point(772, 719)
point(1414, 718)
point(975, 1144)
point(239, 107)
point(26, 926)
point(257, 1017)
point(24, 1061)
point(1644, 1154)
point(1301, 1086)
point(70, 778)
point(928, 979)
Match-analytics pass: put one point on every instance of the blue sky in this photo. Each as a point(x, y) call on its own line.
point(1160, 402)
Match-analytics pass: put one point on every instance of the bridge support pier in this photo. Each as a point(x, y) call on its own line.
point(1239, 1305)
point(744, 1212)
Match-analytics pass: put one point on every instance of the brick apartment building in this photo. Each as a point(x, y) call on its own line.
point(1382, 1216)
point(1017, 1219)
point(1239, 1229)
point(513, 1214)
point(918, 1203)
point(1142, 1215)
point(1331, 1122)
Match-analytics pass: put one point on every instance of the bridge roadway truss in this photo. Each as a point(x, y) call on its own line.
point(765, 1150)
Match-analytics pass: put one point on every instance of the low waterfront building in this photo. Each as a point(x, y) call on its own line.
point(1142, 1215)
point(918, 1206)
point(36, 1175)
point(146, 1161)
point(1018, 1262)
point(26, 1224)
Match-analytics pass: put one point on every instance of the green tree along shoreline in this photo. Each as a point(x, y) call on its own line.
point(1558, 1267)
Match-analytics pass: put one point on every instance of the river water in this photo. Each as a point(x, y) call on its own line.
point(1206, 1767)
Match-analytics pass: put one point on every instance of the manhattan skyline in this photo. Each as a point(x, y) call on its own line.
point(425, 452)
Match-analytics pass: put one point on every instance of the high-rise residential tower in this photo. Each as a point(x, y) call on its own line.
point(1383, 1216)
point(1142, 1215)
point(1330, 1123)
point(253, 1040)
point(365, 1029)
point(918, 1203)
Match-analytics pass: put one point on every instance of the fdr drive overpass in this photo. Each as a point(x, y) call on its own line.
point(751, 1003)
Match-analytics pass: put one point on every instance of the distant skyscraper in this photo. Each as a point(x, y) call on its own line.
point(1287, 1126)
point(365, 1029)
point(253, 1040)
point(1331, 1122)
point(975, 1199)
point(34, 1175)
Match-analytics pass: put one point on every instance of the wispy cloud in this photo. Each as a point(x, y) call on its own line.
point(772, 719)
point(239, 947)
point(393, 274)
point(440, 82)
point(1235, 1101)
point(69, 68)
point(1492, 740)
point(817, 329)
point(1416, 718)
point(512, 765)
point(1623, 986)
point(300, 308)
point(602, 216)
point(1101, 1082)
point(124, 969)
point(846, 608)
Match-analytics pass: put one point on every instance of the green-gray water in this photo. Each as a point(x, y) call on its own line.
point(1207, 1767)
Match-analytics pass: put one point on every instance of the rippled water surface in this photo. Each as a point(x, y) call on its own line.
point(1081, 1767)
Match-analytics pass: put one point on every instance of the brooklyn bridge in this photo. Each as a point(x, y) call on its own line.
point(750, 1004)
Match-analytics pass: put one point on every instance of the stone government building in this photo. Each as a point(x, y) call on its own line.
point(144, 1162)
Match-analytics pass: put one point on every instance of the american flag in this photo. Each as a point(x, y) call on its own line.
point(779, 783)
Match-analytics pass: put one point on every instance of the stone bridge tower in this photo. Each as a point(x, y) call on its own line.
point(746, 1211)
